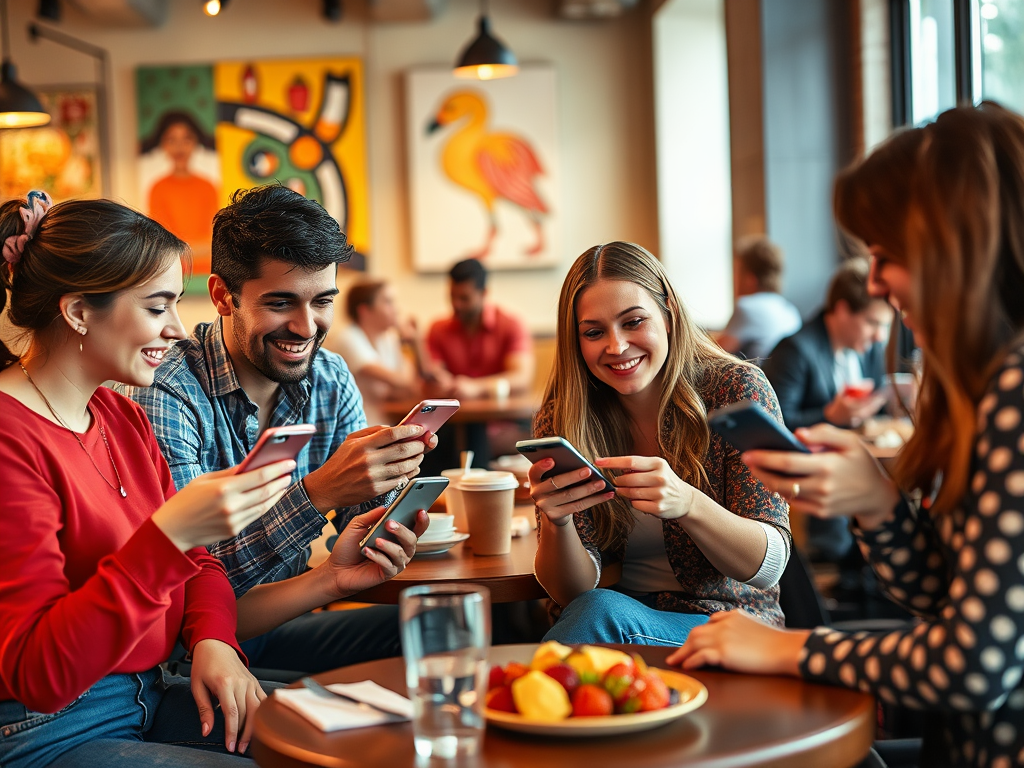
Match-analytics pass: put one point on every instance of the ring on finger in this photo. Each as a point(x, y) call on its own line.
point(554, 484)
point(795, 492)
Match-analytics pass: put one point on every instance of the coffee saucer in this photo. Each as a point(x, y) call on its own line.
point(437, 547)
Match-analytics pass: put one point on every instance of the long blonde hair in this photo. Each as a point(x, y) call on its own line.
point(588, 413)
point(945, 202)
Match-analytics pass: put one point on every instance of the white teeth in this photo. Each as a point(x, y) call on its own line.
point(627, 365)
point(292, 348)
point(155, 354)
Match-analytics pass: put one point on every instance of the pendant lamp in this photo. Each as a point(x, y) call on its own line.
point(486, 57)
point(19, 107)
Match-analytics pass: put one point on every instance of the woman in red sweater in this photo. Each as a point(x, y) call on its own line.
point(102, 566)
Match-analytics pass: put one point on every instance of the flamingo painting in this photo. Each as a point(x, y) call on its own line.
point(491, 165)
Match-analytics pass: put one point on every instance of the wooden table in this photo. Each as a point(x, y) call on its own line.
point(509, 577)
point(748, 720)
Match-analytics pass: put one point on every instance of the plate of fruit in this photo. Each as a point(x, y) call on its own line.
point(588, 690)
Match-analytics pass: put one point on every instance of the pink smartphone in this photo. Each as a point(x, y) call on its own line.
point(430, 414)
point(277, 444)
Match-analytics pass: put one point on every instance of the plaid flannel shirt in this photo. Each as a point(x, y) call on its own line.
point(205, 422)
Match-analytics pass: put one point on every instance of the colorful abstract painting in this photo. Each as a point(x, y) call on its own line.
point(213, 129)
point(483, 169)
point(63, 157)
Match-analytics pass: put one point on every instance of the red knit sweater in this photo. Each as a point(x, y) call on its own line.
point(89, 586)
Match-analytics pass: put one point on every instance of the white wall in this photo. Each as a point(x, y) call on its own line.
point(605, 113)
point(692, 123)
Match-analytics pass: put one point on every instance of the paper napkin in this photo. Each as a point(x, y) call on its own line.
point(338, 715)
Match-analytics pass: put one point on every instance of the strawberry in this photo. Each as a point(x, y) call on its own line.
point(495, 677)
point(565, 675)
point(501, 699)
point(629, 701)
point(591, 701)
point(655, 695)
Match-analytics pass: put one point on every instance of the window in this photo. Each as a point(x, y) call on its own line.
point(1001, 38)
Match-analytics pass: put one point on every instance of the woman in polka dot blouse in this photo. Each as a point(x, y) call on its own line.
point(941, 210)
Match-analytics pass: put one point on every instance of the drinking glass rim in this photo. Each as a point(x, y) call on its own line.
point(445, 592)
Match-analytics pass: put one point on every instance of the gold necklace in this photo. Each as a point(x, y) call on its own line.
point(103, 434)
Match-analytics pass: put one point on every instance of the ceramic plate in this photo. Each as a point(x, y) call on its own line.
point(437, 547)
point(692, 694)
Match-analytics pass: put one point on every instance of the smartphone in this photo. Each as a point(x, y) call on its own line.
point(566, 457)
point(419, 494)
point(277, 444)
point(430, 414)
point(749, 427)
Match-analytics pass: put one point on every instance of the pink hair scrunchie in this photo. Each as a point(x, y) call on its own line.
point(32, 213)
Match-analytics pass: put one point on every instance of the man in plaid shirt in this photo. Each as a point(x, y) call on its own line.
point(259, 365)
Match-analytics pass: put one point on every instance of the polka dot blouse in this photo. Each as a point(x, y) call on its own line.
point(963, 575)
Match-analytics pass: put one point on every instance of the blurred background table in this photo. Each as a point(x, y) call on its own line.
point(748, 720)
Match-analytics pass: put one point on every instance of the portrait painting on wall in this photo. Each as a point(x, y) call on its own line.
point(206, 131)
point(63, 158)
point(483, 169)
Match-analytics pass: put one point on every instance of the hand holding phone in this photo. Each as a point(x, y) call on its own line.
point(566, 457)
point(749, 427)
point(430, 414)
point(419, 494)
point(277, 444)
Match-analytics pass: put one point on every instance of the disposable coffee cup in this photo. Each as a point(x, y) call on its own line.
point(453, 496)
point(488, 499)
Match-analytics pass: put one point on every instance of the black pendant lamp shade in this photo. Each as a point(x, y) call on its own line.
point(486, 57)
point(19, 107)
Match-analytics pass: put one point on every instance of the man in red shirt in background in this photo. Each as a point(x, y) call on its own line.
point(481, 350)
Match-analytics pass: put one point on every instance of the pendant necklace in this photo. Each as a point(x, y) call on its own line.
point(103, 433)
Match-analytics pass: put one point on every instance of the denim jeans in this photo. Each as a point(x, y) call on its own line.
point(606, 616)
point(123, 721)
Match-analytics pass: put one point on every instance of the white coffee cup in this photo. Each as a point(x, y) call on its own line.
point(441, 528)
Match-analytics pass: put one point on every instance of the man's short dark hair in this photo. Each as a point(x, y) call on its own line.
point(763, 259)
point(850, 284)
point(362, 294)
point(273, 222)
point(470, 269)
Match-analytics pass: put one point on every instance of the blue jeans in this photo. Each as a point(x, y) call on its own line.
point(606, 616)
point(123, 721)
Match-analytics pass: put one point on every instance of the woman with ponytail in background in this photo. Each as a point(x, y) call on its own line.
point(102, 566)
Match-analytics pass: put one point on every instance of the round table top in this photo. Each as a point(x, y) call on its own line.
point(509, 577)
point(748, 720)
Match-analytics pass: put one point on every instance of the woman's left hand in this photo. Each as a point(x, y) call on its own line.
point(736, 640)
point(650, 485)
point(218, 672)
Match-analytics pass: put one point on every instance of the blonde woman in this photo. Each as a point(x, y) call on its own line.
point(940, 210)
point(694, 532)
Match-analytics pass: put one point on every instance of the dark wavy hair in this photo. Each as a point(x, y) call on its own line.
point(273, 222)
point(93, 247)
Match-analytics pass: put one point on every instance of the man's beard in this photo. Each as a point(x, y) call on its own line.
point(284, 372)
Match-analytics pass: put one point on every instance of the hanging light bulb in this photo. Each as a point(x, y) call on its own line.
point(214, 7)
point(486, 57)
point(19, 107)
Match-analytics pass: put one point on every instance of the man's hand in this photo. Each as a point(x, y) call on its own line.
point(218, 672)
point(847, 411)
point(370, 462)
point(350, 569)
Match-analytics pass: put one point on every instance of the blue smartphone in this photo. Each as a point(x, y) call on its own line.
point(566, 457)
point(749, 427)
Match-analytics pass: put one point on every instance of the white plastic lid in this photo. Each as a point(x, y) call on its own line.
point(487, 481)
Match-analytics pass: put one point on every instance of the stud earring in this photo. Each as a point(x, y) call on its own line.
point(82, 330)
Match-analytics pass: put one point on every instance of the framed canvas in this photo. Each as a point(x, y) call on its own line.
point(62, 158)
point(208, 130)
point(483, 169)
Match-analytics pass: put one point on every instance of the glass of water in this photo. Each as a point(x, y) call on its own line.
point(446, 634)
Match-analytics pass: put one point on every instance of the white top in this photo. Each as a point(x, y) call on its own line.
point(762, 320)
point(645, 565)
point(355, 346)
point(846, 369)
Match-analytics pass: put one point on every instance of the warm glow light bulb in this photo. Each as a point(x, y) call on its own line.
point(211, 7)
point(485, 71)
